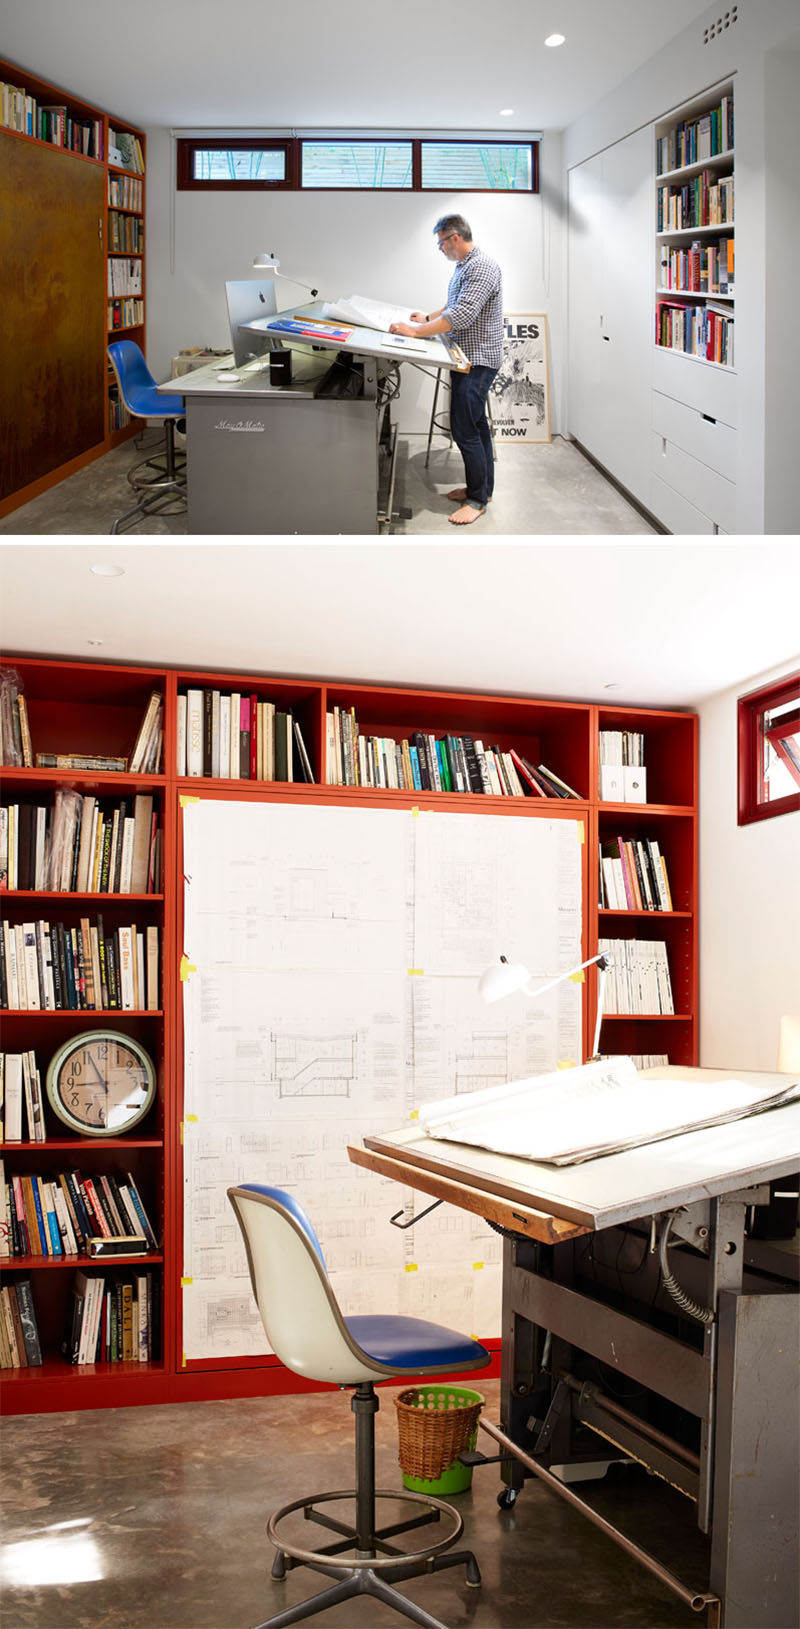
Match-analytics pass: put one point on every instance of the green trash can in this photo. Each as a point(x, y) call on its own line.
point(435, 1424)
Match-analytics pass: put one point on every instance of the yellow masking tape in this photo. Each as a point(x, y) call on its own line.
point(193, 1117)
point(477, 1265)
point(566, 1063)
point(411, 1267)
point(414, 1115)
point(185, 799)
point(415, 972)
point(415, 808)
point(578, 978)
point(186, 1281)
point(186, 968)
point(581, 832)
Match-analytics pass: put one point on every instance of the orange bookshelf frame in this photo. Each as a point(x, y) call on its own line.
point(93, 707)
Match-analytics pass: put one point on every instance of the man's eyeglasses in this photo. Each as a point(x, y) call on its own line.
point(446, 238)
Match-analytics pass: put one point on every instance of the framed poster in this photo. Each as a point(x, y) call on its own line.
point(520, 391)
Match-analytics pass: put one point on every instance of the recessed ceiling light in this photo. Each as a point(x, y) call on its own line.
point(104, 568)
point(506, 112)
point(555, 39)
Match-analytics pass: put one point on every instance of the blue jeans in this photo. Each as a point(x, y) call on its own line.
point(471, 433)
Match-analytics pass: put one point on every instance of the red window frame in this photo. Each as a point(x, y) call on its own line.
point(188, 146)
point(751, 710)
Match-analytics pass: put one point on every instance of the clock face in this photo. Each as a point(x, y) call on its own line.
point(101, 1083)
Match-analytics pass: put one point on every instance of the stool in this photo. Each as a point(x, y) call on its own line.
point(437, 420)
point(139, 392)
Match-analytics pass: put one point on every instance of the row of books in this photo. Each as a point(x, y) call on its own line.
point(15, 735)
point(633, 875)
point(113, 1318)
point(430, 763)
point(20, 1087)
point(239, 737)
point(125, 192)
point(706, 200)
point(125, 149)
point(644, 1060)
point(20, 1347)
point(623, 777)
point(703, 268)
point(20, 111)
point(60, 1215)
point(49, 967)
point(125, 233)
point(118, 415)
point(125, 314)
point(703, 331)
point(638, 978)
point(81, 845)
point(695, 139)
point(621, 747)
point(125, 276)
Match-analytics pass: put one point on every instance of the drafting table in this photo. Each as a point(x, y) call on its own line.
point(716, 1410)
point(278, 459)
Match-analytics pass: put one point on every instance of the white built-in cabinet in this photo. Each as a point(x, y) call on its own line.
point(662, 423)
point(610, 308)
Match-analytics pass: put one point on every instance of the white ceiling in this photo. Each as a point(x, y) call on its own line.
point(668, 623)
point(452, 64)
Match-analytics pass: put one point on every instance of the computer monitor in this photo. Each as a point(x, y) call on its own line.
point(255, 297)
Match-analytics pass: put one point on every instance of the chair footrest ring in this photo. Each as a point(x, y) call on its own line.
point(310, 1557)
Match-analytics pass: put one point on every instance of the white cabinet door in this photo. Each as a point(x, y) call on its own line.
point(610, 307)
point(584, 291)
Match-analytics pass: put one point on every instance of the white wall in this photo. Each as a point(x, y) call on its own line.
point(342, 243)
point(682, 69)
point(749, 904)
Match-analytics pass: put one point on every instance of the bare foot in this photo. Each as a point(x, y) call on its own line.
point(465, 515)
point(458, 494)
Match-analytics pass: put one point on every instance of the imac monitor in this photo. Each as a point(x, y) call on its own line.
point(248, 300)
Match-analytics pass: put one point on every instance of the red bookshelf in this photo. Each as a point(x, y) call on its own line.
point(86, 707)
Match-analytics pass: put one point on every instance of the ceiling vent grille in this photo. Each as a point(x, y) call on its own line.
point(727, 20)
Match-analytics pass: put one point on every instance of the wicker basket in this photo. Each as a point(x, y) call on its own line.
point(435, 1425)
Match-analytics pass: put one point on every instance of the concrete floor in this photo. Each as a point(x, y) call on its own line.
point(153, 1518)
point(544, 490)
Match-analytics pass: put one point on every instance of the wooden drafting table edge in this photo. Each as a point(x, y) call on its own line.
point(519, 1218)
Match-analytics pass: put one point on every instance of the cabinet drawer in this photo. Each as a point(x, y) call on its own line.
point(713, 442)
point(701, 486)
point(703, 385)
point(675, 512)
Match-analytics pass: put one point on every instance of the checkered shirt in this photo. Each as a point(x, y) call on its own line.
point(474, 309)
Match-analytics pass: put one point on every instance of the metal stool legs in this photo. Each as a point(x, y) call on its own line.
point(367, 1573)
point(168, 486)
point(437, 421)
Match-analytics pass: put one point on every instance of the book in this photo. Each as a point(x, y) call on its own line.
point(78, 760)
point(143, 750)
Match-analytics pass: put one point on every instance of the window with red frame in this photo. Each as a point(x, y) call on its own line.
point(769, 750)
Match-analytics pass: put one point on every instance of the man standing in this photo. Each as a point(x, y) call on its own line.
point(473, 313)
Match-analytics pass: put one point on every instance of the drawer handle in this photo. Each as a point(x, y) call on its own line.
point(708, 418)
point(607, 338)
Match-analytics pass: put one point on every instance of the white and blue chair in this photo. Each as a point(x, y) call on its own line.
point(308, 1332)
point(141, 397)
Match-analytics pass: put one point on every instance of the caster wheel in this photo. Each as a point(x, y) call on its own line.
point(507, 1499)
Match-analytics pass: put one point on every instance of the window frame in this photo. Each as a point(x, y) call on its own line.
point(293, 148)
point(750, 712)
point(189, 145)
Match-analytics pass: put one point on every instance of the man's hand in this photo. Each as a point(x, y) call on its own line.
point(404, 328)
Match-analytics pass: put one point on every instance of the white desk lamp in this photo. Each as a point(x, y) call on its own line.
point(270, 262)
point(506, 978)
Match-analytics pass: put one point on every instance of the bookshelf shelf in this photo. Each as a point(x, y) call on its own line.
point(686, 323)
point(98, 708)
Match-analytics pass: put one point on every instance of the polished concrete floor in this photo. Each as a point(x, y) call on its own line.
point(154, 1518)
point(544, 490)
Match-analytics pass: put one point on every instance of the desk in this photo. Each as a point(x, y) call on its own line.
point(715, 1411)
point(276, 459)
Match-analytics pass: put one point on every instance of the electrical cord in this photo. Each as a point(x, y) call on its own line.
point(693, 1309)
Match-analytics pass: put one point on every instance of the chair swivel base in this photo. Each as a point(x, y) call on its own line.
point(367, 1574)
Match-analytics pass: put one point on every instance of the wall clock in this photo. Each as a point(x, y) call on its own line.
point(101, 1083)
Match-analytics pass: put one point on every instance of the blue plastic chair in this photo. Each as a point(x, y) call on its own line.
point(138, 390)
point(308, 1332)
